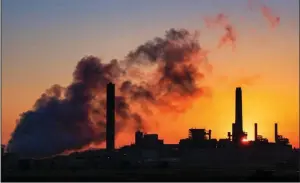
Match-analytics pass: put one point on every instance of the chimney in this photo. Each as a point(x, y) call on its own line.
point(238, 111)
point(209, 134)
point(276, 132)
point(110, 117)
point(255, 131)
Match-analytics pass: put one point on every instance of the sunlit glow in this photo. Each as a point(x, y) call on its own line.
point(245, 141)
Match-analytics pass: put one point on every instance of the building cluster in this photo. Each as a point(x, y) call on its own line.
point(198, 138)
point(198, 149)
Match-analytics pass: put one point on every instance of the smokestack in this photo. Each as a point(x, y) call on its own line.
point(209, 134)
point(238, 110)
point(276, 132)
point(255, 131)
point(110, 117)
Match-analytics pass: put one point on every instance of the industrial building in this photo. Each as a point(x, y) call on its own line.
point(147, 141)
point(199, 147)
point(199, 151)
point(202, 138)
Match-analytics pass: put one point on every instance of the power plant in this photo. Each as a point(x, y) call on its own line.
point(198, 152)
point(202, 138)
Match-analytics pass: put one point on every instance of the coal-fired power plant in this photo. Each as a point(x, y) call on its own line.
point(197, 137)
point(110, 117)
point(199, 149)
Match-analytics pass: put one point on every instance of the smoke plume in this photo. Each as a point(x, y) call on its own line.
point(221, 20)
point(265, 11)
point(148, 80)
point(270, 17)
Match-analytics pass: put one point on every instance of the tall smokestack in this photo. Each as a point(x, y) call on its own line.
point(238, 110)
point(276, 132)
point(255, 131)
point(110, 116)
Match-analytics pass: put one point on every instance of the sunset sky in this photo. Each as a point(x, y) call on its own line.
point(42, 41)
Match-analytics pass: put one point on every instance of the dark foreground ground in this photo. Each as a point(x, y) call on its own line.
point(150, 175)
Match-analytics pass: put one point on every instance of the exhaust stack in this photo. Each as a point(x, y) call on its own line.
point(276, 132)
point(255, 131)
point(110, 117)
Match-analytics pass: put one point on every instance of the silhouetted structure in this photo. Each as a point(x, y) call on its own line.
point(279, 139)
point(238, 110)
point(237, 128)
point(139, 136)
point(276, 133)
point(198, 138)
point(258, 139)
point(110, 117)
point(2, 149)
point(199, 154)
point(147, 141)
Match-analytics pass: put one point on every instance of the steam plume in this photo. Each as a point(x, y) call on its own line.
point(71, 118)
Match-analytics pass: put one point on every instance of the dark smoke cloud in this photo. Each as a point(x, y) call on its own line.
point(173, 56)
point(136, 92)
point(71, 118)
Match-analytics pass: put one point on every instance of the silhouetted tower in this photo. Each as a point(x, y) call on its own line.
point(237, 127)
point(110, 116)
point(238, 110)
point(276, 133)
point(255, 131)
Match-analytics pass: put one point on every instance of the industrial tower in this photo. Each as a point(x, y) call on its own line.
point(110, 117)
point(237, 128)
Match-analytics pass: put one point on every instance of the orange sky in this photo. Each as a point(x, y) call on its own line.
point(265, 64)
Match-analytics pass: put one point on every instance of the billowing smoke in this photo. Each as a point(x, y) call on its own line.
point(167, 70)
point(60, 120)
